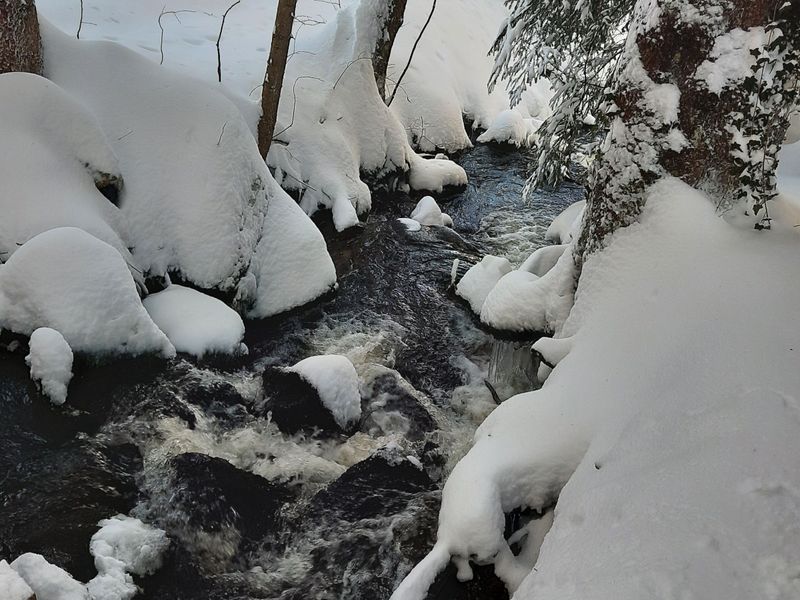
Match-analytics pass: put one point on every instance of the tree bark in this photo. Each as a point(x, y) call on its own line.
point(276, 68)
point(391, 24)
point(695, 145)
point(20, 42)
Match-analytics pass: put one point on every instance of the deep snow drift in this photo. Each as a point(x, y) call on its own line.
point(667, 431)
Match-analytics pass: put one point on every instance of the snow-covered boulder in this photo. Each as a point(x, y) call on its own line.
point(476, 283)
point(121, 547)
point(50, 361)
point(510, 127)
point(565, 226)
point(196, 323)
point(48, 581)
point(12, 586)
point(410, 224)
point(70, 281)
point(543, 259)
point(198, 199)
point(427, 212)
point(53, 152)
point(336, 380)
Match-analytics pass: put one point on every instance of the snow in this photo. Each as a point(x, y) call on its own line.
point(333, 126)
point(12, 586)
point(565, 226)
point(198, 199)
point(72, 282)
point(671, 424)
point(543, 259)
point(427, 212)
point(196, 323)
point(50, 361)
point(336, 380)
point(121, 547)
point(48, 582)
point(731, 61)
point(410, 224)
point(53, 149)
point(512, 128)
point(479, 280)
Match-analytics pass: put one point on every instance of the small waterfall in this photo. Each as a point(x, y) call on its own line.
point(512, 368)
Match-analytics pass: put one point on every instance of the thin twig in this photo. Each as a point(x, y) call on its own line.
point(411, 56)
point(219, 38)
point(80, 24)
point(219, 141)
point(294, 102)
point(174, 13)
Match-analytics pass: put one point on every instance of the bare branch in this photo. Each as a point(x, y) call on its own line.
point(411, 56)
point(219, 38)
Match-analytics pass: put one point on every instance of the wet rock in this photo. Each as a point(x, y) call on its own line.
point(390, 408)
point(484, 585)
point(51, 503)
point(381, 485)
point(295, 405)
point(215, 495)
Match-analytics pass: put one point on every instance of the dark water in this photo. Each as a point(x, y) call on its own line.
point(254, 512)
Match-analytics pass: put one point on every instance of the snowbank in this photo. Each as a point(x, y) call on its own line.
point(566, 225)
point(447, 78)
point(53, 152)
point(70, 281)
point(543, 259)
point(196, 323)
point(48, 582)
point(670, 424)
point(198, 199)
point(121, 547)
point(336, 380)
point(50, 361)
point(12, 586)
point(479, 280)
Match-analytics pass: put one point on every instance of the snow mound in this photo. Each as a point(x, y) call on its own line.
point(521, 301)
point(566, 225)
point(12, 586)
point(196, 323)
point(510, 127)
point(665, 445)
point(198, 198)
point(435, 174)
point(121, 547)
point(70, 281)
point(50, 361)
point(543, 259)
point(476, 283)
point(54, 151)
point(336, 380)
point(427, 212)
point(48, 582)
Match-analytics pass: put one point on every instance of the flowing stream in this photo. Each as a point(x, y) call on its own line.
point(301, 516)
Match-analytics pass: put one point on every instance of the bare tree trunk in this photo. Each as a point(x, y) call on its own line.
point(393, 19)
point(276, 67)
point(668, 120)
point(20, 42)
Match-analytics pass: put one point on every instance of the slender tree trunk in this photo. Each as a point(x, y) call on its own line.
point(393, 19)
point(20, 43)
point(276, 67)
point(668, 118)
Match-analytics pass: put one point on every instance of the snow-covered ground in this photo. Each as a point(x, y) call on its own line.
point(333, 127)
point(667, 431)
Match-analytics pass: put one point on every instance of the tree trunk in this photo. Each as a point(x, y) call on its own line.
point(20, 43)
point(276, 67)
point(393, 19)
point(668, 118)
